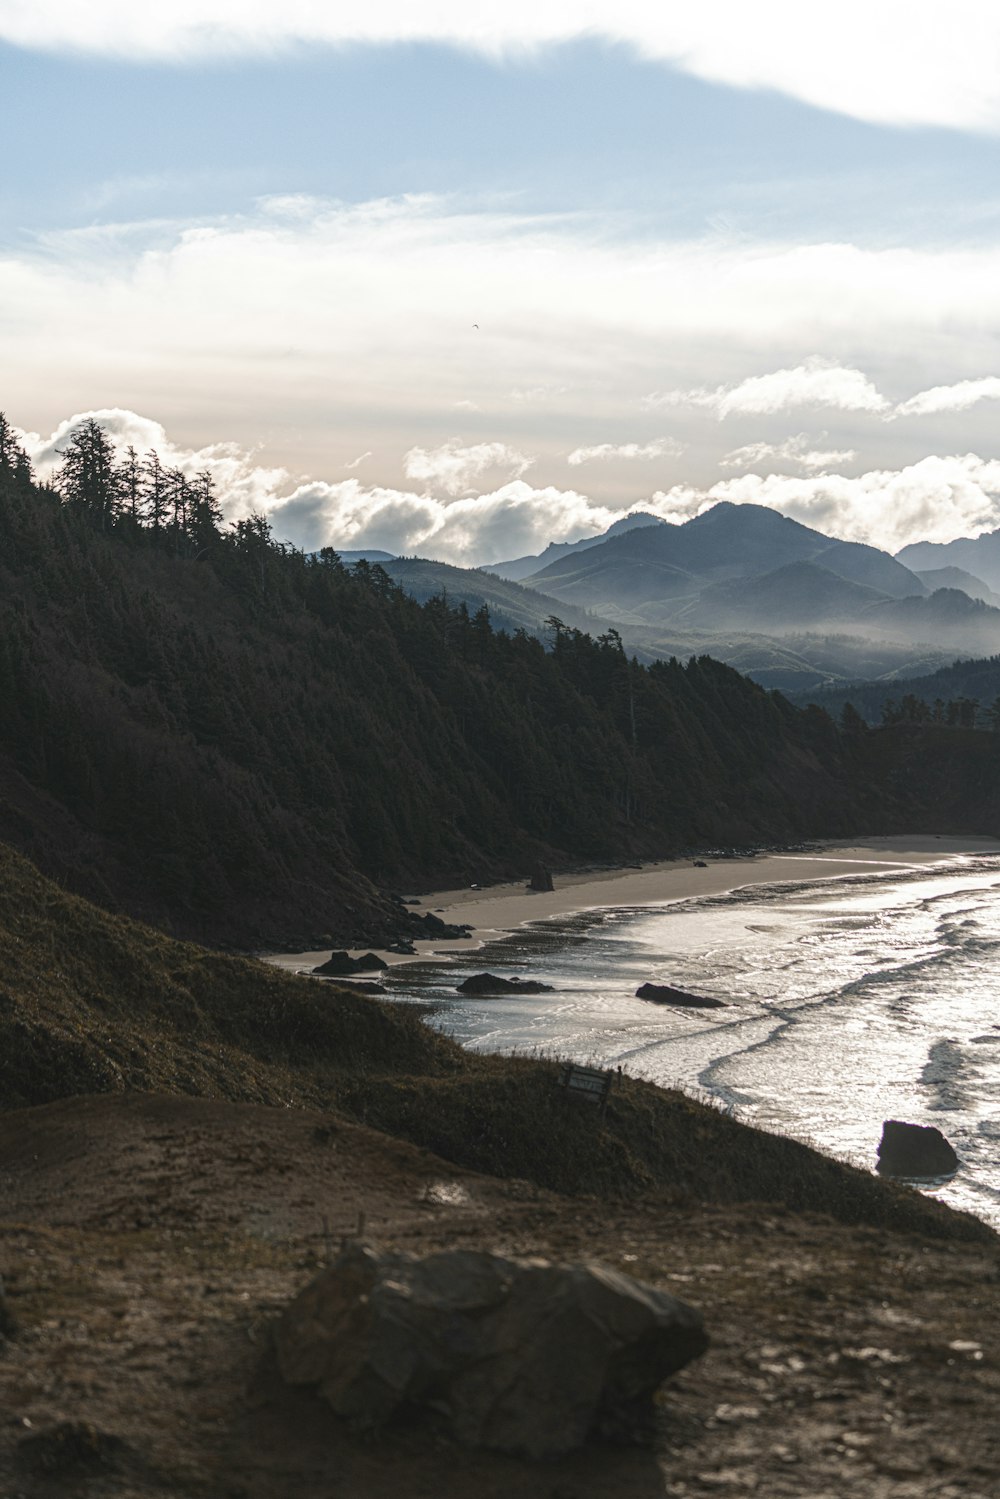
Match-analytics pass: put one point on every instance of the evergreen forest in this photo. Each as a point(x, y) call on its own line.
point(241, 742)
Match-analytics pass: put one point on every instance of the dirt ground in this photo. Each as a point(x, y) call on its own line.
point(147, 1245)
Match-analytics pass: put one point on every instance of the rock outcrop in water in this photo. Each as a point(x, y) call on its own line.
point(665, 994)
point(915, 1150)
point(521, 1356)
point(492, 983)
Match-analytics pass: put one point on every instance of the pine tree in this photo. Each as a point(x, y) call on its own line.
point(88, 479)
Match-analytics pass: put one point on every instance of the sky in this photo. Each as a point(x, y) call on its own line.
point(457, 280)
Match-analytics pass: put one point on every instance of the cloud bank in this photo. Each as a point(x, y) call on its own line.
point(455, 468)
point(795, 450)
point(660, 447)
point(935, 499)
point(887, 65)
point(816, 383)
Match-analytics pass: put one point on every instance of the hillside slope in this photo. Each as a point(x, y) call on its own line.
point(240, 742)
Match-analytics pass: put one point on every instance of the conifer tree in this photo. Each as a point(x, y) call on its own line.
point(88, 479)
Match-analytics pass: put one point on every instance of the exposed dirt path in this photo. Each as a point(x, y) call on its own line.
point(147, 1243)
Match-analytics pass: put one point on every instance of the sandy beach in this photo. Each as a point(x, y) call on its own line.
point(495, 910)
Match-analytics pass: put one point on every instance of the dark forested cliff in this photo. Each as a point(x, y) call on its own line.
point(240, 742)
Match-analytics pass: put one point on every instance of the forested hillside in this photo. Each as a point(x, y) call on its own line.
point(239, 741)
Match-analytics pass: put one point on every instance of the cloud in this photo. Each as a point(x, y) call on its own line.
point(893, 69)
point(935, 499)
point(243, 484)
point(475, 529)
point(815, 383)
point(958, 397)
point(357, 462)
point(795, 450)
point(455, 468)
point(661, 447)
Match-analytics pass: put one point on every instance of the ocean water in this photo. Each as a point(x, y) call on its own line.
point(848, 1001)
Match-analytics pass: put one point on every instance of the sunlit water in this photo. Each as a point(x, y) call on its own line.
point(849, 1001)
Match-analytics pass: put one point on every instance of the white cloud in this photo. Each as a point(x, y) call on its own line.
point(243, 484)
point(817, 382)
point(357, 462)
point(958, 397)
point(889, 63)
point(661, 447)
point(510, 521)
point(797, 450)
point(455, 468)
point(936, 499)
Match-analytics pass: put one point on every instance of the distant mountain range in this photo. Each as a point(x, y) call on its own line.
point(978, 555)
point(781, 601)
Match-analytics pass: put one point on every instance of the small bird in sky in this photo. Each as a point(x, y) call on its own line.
point(475, 325)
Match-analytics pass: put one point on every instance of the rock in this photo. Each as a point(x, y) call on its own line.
point(336, 963)
point(341, 964)
point(700, 864)
point(369, 963)
point(490, 983)
point(520, 1356)
point(402, 947)
point(541, 878)
point(664, 994)
point(429, 925)
point(915, 1150)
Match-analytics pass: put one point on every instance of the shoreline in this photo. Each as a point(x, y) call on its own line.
point(495, 911)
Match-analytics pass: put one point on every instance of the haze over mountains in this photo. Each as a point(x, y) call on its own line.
point(783, 602)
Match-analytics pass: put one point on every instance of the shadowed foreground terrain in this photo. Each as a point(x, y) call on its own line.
point(196, 1134)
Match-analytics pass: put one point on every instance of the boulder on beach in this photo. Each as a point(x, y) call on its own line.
point(665, 994)
point(491, 983)
point(429, 925)
point(915, 1150)
point(342, 965)
point(541, 878)
point(519, 1356)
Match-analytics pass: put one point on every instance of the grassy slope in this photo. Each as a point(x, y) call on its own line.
point(91, 1003)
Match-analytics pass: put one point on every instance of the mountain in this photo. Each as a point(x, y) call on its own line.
point(619, 574)
point(798, 596)
point(948, 617)
point(728, 541)
point(805, 662)
point(525, 567)
point(979, 555)
point(512, 606)
point(957, 577)
point(872, 568)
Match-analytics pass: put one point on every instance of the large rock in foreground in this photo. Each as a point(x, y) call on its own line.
point(666, 994)
point(521, 1356)
point(915, 1150)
